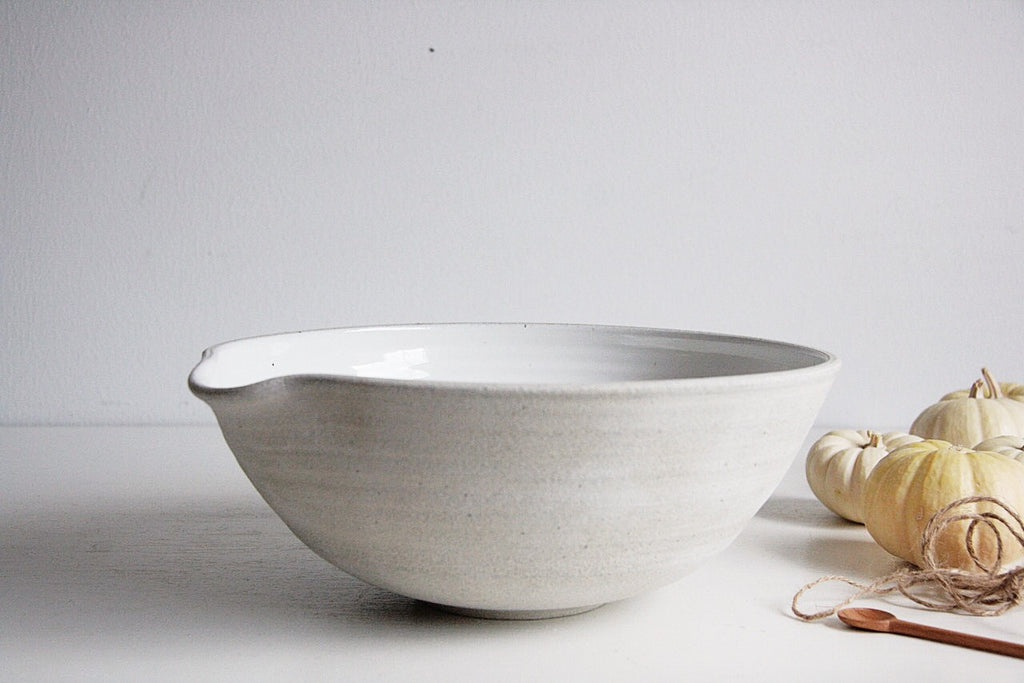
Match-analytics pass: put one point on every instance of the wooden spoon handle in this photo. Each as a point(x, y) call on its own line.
point(941, 635)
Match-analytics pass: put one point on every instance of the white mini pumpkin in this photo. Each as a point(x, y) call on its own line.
point(839, 463)
point(967, 419)
point(1008, 445)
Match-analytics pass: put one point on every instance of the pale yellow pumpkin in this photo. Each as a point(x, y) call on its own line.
point(915, 481)
point(1008, 445)
point(982, 413)
point(839, 463)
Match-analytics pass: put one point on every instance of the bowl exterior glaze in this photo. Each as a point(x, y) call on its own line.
point(518, 501)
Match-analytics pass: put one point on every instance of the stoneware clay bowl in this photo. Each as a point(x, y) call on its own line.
point(511, 470)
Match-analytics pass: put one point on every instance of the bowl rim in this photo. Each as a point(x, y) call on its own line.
point(827, 366)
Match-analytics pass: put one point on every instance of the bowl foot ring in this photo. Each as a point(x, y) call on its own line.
point(513, 615)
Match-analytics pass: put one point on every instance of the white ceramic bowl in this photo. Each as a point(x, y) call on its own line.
point(514, 470)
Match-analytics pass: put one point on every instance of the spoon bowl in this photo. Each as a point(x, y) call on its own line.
point(867, 618)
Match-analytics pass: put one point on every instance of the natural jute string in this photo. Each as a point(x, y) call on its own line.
point(986, 592)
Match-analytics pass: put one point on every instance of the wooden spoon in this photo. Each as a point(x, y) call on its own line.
point(878, 620)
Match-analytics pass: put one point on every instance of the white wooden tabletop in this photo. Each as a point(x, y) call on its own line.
point(142, 553)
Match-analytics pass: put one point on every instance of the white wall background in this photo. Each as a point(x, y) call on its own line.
point(175, 174)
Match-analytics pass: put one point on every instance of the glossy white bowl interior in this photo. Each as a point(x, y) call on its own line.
point(512, 470)
point(498, 354)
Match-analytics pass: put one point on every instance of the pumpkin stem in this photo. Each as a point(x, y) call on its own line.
point(975, 388)
point(873, 439)
point(993, 386)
